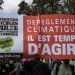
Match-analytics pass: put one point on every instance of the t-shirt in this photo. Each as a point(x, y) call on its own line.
point(64, 70)
point(72, 62)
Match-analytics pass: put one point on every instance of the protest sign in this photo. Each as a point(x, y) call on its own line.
point(11, 34)
point(49, 36)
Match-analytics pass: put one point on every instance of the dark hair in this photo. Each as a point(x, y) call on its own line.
point(28, 67)
point(66, 61)
point(41, 69)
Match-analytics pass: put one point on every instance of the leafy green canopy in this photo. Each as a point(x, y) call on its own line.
point(46, 7)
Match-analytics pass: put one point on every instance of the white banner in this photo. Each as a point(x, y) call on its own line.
point(11, 34)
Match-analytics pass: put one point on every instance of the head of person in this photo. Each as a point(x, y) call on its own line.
point(66, 61)
point(28, 66)
point(41, 69)
point(10, 62)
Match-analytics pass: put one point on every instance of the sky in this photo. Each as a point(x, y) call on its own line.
point(11, 6)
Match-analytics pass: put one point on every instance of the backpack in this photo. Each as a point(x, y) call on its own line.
point(57, 69)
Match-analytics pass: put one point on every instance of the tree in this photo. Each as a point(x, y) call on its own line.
point(24, 8)
point(70, 6)
point(1, 2)
point(40, 7)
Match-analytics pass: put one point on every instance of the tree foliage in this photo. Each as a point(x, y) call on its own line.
point(46, 7)
point(1, 2)
point(24, 8)
point(70, 5)
point(38, 7)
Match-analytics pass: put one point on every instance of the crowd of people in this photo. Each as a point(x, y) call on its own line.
point(37, 67)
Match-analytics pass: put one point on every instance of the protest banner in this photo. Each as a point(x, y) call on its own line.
point(49, 36)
